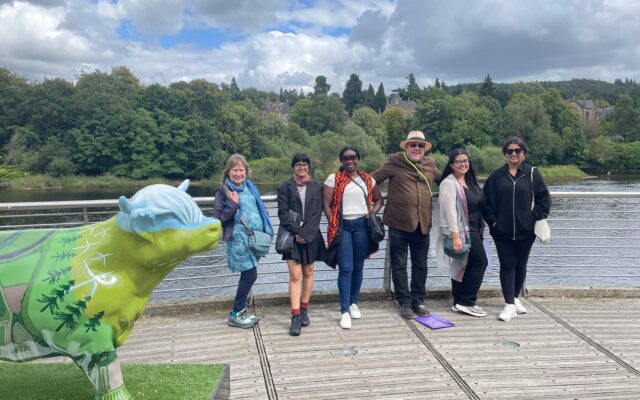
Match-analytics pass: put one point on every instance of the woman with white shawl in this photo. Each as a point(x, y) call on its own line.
point(459, 248)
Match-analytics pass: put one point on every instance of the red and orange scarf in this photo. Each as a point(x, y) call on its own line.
point(342, 180)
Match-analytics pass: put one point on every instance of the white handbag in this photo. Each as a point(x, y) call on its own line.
point(541, 228)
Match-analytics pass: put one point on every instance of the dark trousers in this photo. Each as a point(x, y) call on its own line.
point(247, 278)
point(399, 243)
point(466, 292)
point(513, 255)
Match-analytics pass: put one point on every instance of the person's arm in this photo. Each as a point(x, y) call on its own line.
point(449, 211)
point(488, 210)
point(378, 201)
point(283, 210)
point(225, 207)
point(383, 173)
point(542, 197)
point(327, 200)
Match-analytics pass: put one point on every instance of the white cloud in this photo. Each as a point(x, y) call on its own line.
point(462, 40)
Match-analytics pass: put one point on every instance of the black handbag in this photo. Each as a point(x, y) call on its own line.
point(376, 228)
point(285, 239)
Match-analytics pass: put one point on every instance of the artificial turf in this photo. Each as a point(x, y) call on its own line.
point(31, 381)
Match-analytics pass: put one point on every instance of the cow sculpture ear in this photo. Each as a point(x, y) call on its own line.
point(184, 185)
point(124, 204)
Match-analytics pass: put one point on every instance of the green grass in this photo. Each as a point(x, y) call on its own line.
point(31, 381)
point(562, 172)
point(89, 182)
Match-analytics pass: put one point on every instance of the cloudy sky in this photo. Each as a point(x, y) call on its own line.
point(270, 44)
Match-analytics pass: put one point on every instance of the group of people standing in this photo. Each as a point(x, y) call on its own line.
point(513, 198)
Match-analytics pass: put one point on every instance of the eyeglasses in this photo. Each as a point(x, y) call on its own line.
point(517, 150)
point(420, 145)
point(302, 165)
point(458, 162)
point(350, 158)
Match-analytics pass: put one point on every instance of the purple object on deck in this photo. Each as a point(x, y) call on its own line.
point(435, 322)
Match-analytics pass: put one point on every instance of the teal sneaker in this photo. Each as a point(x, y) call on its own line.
point(242, 320)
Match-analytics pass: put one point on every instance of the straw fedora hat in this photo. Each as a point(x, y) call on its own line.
point(416, 136)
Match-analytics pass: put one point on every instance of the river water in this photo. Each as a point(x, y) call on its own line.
point(594, 243)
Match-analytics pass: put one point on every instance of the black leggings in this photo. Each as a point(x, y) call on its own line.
point(466, 292)
point(247, 278)
point(513, 255)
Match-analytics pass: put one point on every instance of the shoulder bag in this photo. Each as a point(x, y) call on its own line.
point(541, 227)
point(285, 239)
point(374, 222)
point(259, 242)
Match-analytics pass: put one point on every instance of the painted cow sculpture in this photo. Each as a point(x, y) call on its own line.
point(77, 292)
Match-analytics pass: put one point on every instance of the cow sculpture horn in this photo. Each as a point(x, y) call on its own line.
point(184, 185)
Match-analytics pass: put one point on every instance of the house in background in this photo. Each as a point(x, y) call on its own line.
point(280, 109)
point(589, 110)
point(408, 107)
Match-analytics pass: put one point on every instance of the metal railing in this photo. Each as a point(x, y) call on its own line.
point(595, 238)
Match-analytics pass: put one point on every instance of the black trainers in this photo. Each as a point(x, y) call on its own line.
point(406, 313)
point(421, 310)
point(304, 317)
point(295, 326)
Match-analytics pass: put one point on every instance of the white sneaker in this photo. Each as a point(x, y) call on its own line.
point(476, 311)
point(354, 311)
point(508, 312)
point(345, 321)
point(519, 307)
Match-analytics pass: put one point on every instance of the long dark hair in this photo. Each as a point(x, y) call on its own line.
point(469, 176)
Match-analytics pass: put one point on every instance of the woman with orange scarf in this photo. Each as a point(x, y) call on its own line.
point(349, 196)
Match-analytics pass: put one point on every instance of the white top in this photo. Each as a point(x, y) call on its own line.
point(354, 202)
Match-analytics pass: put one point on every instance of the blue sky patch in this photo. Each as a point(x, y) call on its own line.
point(209, 38)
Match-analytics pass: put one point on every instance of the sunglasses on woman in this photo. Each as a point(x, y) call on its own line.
point(516, 150)
point(419, 145)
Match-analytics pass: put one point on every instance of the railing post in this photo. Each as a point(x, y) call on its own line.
point(386, 278)
point(85, 215)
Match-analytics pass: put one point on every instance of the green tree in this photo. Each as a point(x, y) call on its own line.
point(394, 123)
point(487, 88)
point(412, 90)
point(368, 120)
point(381, 99)
point(352, 94)
point(318, 114)
point(625, 120)
point(370, 97)
point(525, 116)
point(321, 86)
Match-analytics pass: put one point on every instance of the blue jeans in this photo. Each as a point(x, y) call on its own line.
point(353, 249)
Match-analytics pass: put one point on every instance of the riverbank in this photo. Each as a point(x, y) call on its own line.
point(44, 182)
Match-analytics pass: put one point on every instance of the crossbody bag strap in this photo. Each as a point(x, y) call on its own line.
point(419, 173)
point(366, 195)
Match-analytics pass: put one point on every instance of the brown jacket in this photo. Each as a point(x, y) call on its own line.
point(409, 200)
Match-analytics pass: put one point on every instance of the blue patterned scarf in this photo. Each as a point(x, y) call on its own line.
point(247, 184)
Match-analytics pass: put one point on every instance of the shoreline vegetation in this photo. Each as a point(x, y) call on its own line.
point(558, 173)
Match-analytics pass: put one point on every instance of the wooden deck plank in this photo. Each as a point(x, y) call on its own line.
point(393, 362)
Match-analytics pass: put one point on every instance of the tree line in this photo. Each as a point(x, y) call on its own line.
point(111, 123)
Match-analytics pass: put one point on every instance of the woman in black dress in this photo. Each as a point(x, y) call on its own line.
point(302, 195)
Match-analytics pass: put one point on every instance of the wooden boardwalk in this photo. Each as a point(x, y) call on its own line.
point(568, 349)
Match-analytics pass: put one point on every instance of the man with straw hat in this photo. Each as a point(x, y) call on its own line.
point(408, 216)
